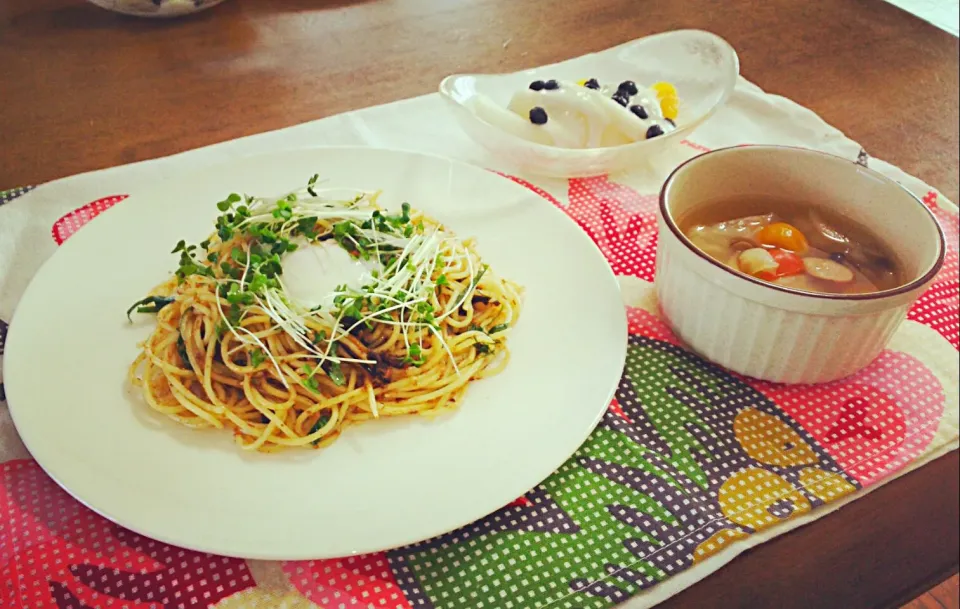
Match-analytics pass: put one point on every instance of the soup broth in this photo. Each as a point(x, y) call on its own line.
point(793, 244)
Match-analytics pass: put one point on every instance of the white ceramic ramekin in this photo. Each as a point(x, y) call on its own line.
point(775, 333)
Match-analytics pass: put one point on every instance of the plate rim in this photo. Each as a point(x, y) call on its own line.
point(13, 338)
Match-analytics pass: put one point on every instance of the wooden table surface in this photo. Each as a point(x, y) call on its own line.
point(82, 89)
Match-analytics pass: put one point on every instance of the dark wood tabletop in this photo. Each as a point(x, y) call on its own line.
point(83, 89)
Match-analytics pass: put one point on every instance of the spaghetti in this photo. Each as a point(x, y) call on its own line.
point(232, 349)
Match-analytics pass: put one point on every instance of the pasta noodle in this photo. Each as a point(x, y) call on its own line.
point(232, 349)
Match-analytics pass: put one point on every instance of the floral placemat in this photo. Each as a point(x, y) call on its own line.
point(690, 465)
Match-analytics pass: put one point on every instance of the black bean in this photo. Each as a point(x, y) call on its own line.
point(629, 87)
point(538, 116)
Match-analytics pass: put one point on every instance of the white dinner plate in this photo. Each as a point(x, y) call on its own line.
point(384, 483)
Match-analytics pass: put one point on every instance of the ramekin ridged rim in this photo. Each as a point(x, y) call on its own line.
point(910, 286)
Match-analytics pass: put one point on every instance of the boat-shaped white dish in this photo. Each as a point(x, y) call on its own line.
point(702, 66)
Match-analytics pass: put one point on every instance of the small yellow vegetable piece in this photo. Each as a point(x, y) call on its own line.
point(664, 90)
point(582, 82)
point(828, 270)
point(784, 236)
point(670, 106)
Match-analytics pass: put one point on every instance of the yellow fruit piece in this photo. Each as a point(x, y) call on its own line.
point(664, 90)
point(670, 106)
point(582, 82)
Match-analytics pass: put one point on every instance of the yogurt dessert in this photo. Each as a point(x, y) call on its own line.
point(584, 114)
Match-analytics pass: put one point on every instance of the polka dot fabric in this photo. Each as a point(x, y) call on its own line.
point(874, 423)
point(620, 221)
point(74, 221)
point(617, 410)
point(57, 554)
point(642, 322)
point(356, 581)
point(9, 195)
point(671, 474)
point(939, 307)
point(687, 460)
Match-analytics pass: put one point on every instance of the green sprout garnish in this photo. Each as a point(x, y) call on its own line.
point(336, 374)
point(321, 422)
point(244, 258)
point(150, 304)
point(310, 382)
point(415, 356)
point(182, 352)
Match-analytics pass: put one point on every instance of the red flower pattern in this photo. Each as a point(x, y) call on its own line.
point(622, 222)
point(873, 423)
point(938, 306)
point(355, 581)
